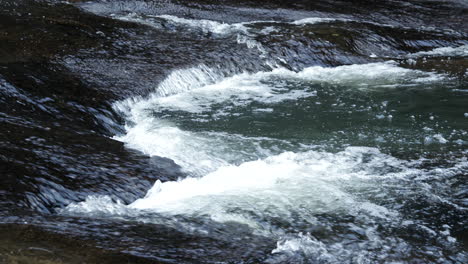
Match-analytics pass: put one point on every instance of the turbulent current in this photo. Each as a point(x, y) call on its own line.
point(299, 157)
point(289, 134)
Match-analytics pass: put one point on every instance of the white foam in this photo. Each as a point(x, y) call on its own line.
point(187, 79)
point(253, 180)
point(251, 43)
point(220, 28)
point(461, 51)
point(364, 74)
point(97, 205)
point(214, 156)
point(280, 181)
point(197, 152)
point(242, 30)
point(197, 89)
point(305, 248)
point(158, 138)
point(303, 243)
point(207, 26)
point(134, 17)
point(274, 187)
point(224, 28)
point(315, 20)
point(437, 138)
point(238, 90)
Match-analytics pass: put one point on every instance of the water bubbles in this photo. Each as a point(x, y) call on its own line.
point(437, 138)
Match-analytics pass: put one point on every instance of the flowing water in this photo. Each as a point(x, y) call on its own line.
point(250, 132)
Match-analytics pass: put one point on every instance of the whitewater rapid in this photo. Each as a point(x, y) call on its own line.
point(254, 181)
point(274, 183)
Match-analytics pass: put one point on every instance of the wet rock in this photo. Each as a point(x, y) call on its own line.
point(55, 125)
point(29, 244)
